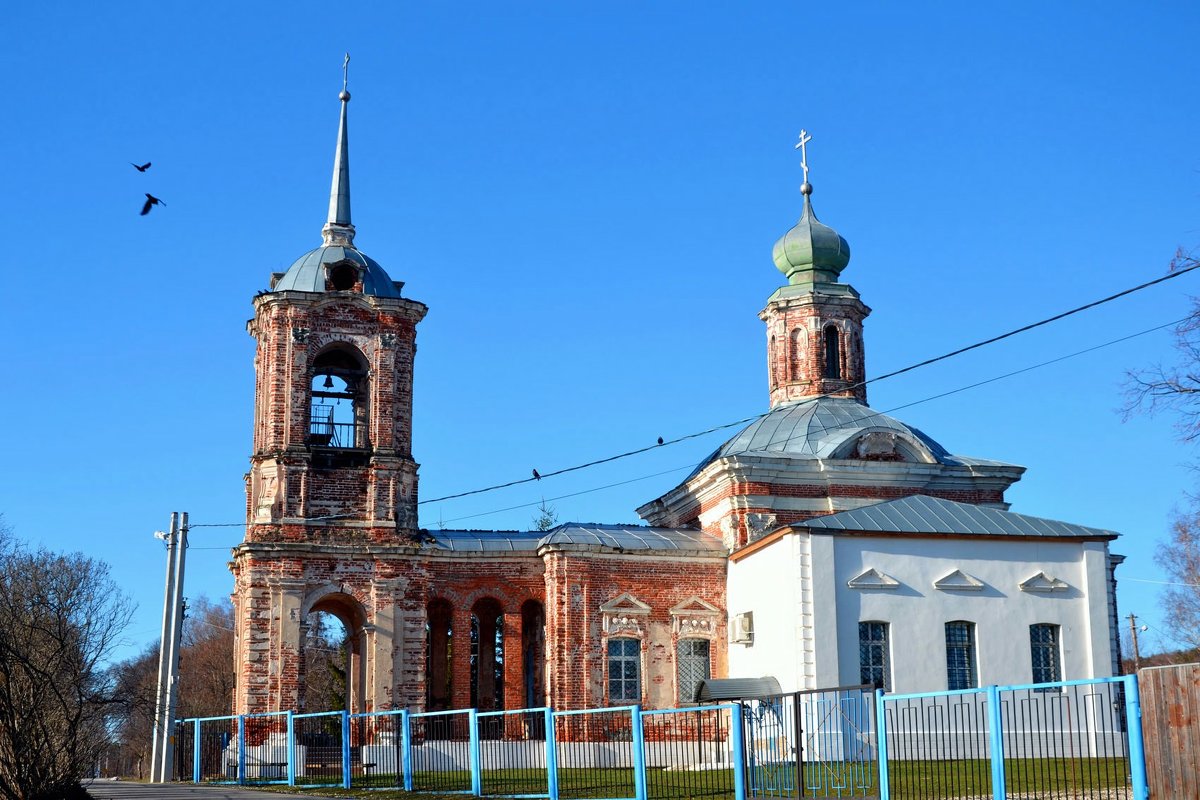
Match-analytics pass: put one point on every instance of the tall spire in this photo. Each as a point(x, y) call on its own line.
point(338, 230)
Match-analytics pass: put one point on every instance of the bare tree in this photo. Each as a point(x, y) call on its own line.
point(1179, 557)
point(206, 683)
point(1176, 388)
point(1173, 387)
point(60, 618)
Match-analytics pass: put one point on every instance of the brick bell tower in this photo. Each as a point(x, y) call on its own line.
point(332, 478)
point(814, 324)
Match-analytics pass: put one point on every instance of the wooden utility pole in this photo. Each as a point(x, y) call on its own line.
point(1137, 657)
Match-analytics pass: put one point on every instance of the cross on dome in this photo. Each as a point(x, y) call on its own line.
point(806, 187)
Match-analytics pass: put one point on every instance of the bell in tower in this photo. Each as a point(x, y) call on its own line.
point(331, 512)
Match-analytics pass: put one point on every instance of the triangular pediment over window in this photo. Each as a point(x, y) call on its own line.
point(873, 579)
point(1041, 582)
point(958, 581)
point(625, 604)
point(694, 605)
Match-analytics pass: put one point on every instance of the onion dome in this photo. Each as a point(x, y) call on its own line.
point(811, 252)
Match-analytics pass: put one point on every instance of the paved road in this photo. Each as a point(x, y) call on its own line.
point(124, 790)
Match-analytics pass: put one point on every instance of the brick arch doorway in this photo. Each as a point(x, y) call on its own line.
point(533, 653)
point(350, 612)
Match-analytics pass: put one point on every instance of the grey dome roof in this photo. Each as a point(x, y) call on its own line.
point(307, 273)
point(830, 427)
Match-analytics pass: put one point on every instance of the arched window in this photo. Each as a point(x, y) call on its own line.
point(874, 655)
point(338, 408)
point(487, 655)
point(692, 667)
point(439, 633)
point(533, 646)
point(833, 352)
point(796, 354)
point(961, 669)
point(772, 368)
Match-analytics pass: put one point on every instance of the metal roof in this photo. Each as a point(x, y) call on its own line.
point(736, 689)
point(617, 537)
point(922, 514)
point(307, 273)
point(820, 427)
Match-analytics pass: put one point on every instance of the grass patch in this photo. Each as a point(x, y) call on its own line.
point(958, 778)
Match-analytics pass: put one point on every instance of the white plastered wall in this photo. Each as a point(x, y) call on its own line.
point(806, 616)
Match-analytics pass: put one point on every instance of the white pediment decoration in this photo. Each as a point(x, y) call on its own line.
point(625, 615)
point(958, 581)
point(694, 605)
point(873, 579)
point(1041, 582)
point(694, 617)
point(625, 604)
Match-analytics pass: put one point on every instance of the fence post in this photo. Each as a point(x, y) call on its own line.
point(551, 756)
point(196, 752)
point(346, 749)
point(241, 776)
point(881, 749)
point(638, 734)
point(406, 749)
point(996, 742)
point(739, 751)
point(476, 761)
point(1137, 747)
point(291, 749)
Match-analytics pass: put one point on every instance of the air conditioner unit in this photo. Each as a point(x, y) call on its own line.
point(742, 629)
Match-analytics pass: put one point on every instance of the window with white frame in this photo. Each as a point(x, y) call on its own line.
point(1044, 650)
point(874, 660)
point(624, 671)
point(961, 669)
point(692, 666)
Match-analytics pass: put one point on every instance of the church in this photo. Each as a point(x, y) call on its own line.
point(825, 544)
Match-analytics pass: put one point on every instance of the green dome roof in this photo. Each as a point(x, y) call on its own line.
point(811, 252)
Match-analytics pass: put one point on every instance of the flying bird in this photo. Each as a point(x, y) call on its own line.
point(536, 475)
point(660, 440)
point(151, 200)
point(142, 168)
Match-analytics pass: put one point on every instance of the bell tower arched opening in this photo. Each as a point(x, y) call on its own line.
point(351, 661)
point(339, 415)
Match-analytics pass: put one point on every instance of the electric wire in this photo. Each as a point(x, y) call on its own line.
point(868, 415)
point(892, 374)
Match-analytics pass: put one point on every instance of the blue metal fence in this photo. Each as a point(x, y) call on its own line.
point(1072, 739)
point(608, 754)
point(1069, 739)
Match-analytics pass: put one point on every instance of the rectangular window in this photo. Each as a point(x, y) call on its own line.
point(692, 667)
point(961, 671)
point(624, 671)
point(1043, 646)
point(874, 661)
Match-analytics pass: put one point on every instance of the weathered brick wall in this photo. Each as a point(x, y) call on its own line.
point(796, 349)
point(579, 586)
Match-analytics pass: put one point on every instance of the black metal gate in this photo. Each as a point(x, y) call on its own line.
point(813, 743)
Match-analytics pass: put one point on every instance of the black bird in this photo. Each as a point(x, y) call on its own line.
point(142, 168)
point(536, 475)
point(151, 200)
point(660, 440)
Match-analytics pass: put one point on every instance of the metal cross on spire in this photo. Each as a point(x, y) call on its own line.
point(800, 145)
point(346, 73)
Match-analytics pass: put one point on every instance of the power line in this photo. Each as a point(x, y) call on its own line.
point(894, 373)
point(870, 413)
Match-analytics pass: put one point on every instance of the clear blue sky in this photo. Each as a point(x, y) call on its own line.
point(586, 196)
